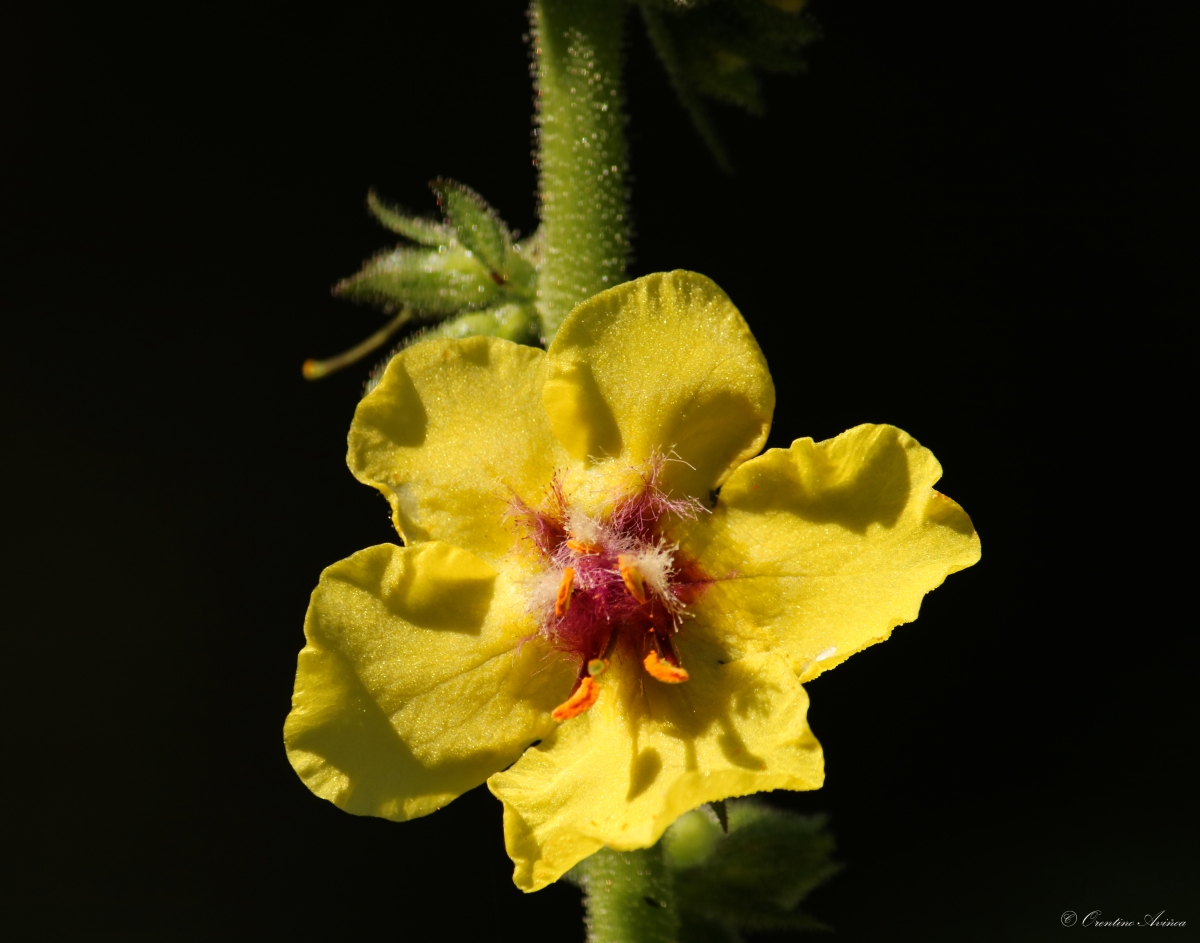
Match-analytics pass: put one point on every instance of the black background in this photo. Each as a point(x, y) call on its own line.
point(963, 220)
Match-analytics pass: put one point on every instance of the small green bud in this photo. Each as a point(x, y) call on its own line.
point(512, 322)
point(433, 282)
point(691, 839)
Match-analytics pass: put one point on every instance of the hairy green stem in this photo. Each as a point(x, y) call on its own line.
point(582, 191)
point(580, 153)
point(628, 897)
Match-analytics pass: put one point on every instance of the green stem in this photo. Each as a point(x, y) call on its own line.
point(580, 153)
point(628, 897)
point(582, 196)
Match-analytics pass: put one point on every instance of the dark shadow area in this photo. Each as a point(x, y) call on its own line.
point(396, 409)
point(734, 748)
point(646, 767)
point(591, 413)
point(439, 587)
point(719, 696)
point(945, 511)
point(717, 428)
point(477, 352)
point(370, 770)
point(851, 488)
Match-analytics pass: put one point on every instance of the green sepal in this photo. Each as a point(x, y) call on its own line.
point(752, 878)
point(521, 271)
point(518, 323)
point(476, 226)
point(520, 279)
point(427, 232)
point(433, 282)
point(512, 322)
point(721, 810)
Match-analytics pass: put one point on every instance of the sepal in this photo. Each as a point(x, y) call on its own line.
point(432, 281)
point(512, 322)
point(477, 227)
point(754, 877)
point(467, 269)
point(518, 323)
point(427, 232)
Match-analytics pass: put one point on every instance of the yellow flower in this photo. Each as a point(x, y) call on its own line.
point(605, 605)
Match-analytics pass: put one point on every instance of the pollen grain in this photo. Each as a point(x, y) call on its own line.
point(664, 671)
point(584, 697)
point(563, 601)
point(632, 577)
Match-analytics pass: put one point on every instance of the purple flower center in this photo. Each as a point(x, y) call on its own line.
point(612, 579)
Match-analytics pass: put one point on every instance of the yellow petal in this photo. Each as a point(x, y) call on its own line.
point(662, 363)
point(823, 548)
point(416, 683)
point(450, 429)
point(647, 752)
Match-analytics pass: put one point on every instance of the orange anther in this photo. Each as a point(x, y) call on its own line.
point(632, 577)
point(563, 601)
point(584, 697)
point(582, 546)
point(663, 670)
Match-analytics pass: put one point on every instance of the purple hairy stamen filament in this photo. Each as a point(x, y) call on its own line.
point(638, 515)
point(602, 605)
point(546, 527)
point(602, 609)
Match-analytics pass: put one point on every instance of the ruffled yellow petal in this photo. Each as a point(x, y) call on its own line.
point(647, 752)
point(662, 363)
point(453, 428)
point(416, 683)
point(822, 549)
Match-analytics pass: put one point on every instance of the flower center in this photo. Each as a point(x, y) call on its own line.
point(611, 577)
